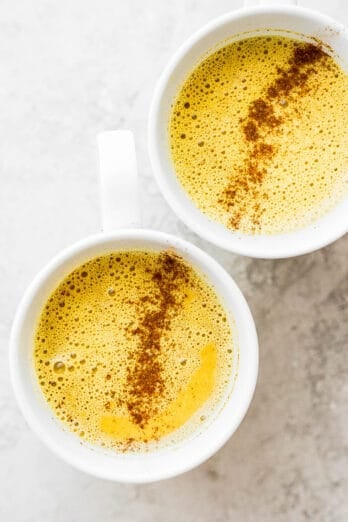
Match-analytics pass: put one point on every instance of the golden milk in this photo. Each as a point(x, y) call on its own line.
point(132, 347)
point(259, 134)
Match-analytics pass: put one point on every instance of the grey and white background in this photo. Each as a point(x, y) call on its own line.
point(68, 70)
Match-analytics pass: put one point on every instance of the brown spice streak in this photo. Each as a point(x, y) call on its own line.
point(260, 125)
point(145, 383)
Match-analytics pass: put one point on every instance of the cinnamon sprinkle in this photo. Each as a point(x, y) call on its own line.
point(261, 124)
point(145, 384)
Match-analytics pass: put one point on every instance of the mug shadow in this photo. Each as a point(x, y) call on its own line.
point(286, 453)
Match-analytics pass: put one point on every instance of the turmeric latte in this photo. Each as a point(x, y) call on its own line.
point(132, 347)
point(259, 134)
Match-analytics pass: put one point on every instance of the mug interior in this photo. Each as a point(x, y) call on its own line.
point(295, 22)
point(171, 459)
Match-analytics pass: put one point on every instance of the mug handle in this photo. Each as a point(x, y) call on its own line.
point(248, 3)
point(118, 180)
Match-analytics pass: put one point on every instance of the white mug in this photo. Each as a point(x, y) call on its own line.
point(120, 210)
point(246, 22)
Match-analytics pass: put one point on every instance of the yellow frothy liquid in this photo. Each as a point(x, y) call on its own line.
point(133, 347)
point(258, 147)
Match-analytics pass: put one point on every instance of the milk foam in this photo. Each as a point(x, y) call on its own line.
point(84, 348)
point(306, 174)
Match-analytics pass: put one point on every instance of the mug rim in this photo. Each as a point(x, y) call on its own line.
point(224, 240)
point(38, 426)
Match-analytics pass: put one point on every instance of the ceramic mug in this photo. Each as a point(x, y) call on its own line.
point(120, 210)
point(249, 21)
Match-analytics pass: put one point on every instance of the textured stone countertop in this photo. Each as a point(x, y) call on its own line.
point(70, 69)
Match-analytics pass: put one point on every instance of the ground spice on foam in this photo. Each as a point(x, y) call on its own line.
point(261, 123)
point(145, 383)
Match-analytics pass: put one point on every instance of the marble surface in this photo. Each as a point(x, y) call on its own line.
point(68, 70)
